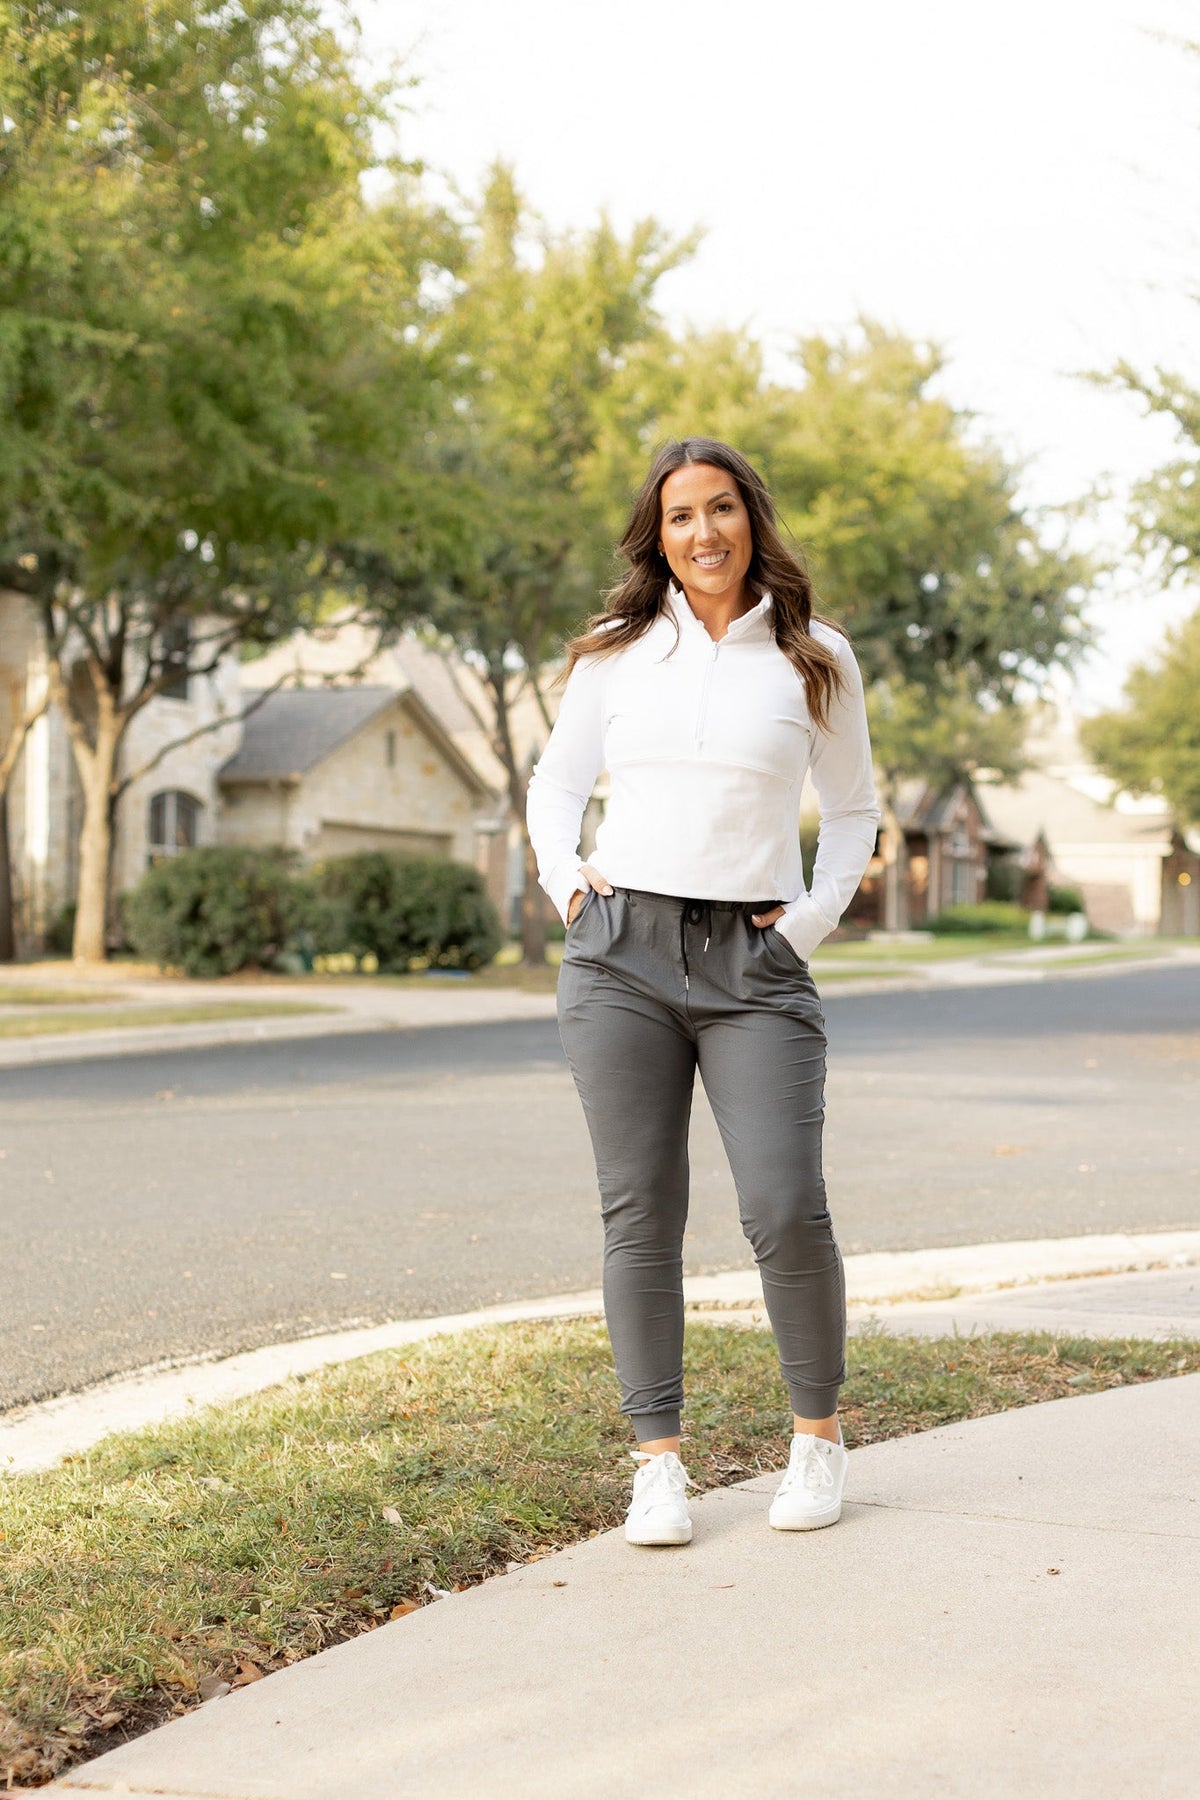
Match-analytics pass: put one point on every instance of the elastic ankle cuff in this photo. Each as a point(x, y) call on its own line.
point(648, 1427)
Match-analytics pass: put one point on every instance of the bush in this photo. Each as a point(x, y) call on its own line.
point(988, 915)
point(401, 910)
point(1065, 900)
point(215, 910)
point(1004, 878)
point(60, 933)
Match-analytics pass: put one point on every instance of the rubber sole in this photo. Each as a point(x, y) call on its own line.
point(813, 1524)
point(663, 1537)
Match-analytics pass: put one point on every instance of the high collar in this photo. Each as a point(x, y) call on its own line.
point(754, 624)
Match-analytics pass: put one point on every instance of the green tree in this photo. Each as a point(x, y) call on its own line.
point(955, 595)
point(1151, 744)
point(557, 344)
point(212, 352)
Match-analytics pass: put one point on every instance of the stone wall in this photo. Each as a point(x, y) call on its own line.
point(387, 787)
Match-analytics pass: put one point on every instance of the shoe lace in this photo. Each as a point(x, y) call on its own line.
point(660, 1477)
point(807, 1468)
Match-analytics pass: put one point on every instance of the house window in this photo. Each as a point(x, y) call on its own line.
point(174, 823)
point(389, 749)
point(176, 648)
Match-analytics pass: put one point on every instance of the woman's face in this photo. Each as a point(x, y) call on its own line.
point(705, 532)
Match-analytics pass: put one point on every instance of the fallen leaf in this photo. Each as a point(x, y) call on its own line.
point(212, 1687)
point(355, 1593)
point(558, 1584)
point(391, 1515)
point(107, 1720)
point(402, 1609)
point(249, 1672)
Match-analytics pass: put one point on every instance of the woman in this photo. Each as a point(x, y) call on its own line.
point(707, 689)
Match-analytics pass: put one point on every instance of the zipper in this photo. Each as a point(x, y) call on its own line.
point(705, 686)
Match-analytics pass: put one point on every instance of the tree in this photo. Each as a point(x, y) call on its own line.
point(1151, 744)
point(22, 715)
point(557, 344)
point(956, 597)
point(212, 352)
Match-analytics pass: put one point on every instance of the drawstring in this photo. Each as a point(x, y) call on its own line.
point(684, 910)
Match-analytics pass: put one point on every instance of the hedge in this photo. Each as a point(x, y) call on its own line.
point(987, 915)
point(401, 911)
point(215, 910)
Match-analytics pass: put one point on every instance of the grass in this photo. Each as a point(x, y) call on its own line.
point(111, 1018)
point(15, 993)
point(237, 1541)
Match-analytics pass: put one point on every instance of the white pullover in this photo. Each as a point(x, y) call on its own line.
point(707, 749)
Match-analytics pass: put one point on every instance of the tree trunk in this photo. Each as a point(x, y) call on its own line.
point(8, 945)
point(533, 914)
point(95, 844)
point(895, 872)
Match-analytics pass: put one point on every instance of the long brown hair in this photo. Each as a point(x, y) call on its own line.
point(635, 603)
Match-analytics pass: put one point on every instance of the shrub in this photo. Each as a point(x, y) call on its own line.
point(60, 933)
point(402, 910)
point(1065, 900)
point(1004, 878)
point(988, 915)
point(213, 910)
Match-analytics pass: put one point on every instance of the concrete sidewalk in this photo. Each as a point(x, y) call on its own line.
point(1010, 1607)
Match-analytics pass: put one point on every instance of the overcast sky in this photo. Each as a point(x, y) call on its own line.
point(1019, 183)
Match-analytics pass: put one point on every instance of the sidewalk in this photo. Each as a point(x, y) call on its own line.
point(1008, 1610)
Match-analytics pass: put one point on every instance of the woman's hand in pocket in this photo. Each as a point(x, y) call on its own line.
point(594, 879)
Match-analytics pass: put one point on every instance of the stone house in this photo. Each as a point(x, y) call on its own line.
point(168, 762)
point(1138, 873)
point(326, 771)
point(948, 841)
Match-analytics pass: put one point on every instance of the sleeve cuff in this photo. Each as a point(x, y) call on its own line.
point(804, 925)
point(564, 880)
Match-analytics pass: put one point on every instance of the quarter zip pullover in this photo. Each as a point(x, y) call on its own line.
point(707, 744)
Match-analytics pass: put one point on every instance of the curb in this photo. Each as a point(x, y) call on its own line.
point(35, 1437)
point(86, 1046)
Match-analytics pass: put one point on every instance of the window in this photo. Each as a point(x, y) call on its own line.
point(174, 823)
point(176, 647)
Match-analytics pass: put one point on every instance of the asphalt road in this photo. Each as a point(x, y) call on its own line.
point(219, 1199)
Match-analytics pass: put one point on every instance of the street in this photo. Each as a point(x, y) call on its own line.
point(216, 1200)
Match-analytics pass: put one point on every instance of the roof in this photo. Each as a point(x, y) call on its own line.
point(1069, 809)
point(297, 728)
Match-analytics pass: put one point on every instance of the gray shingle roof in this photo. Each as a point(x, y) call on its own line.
point(296, 728)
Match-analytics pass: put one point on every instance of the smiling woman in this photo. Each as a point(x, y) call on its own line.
point(708, 689)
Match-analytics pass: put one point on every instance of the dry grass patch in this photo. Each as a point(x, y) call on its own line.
point(139, 1576)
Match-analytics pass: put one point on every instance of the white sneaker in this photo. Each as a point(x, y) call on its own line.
point(810, 1493)
point(658, 1512)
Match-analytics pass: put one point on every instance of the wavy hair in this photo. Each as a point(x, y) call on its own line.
point(636, 602)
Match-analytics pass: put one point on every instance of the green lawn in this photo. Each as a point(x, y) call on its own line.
point(234, 1542)
point(17, 993)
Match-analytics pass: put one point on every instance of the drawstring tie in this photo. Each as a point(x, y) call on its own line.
point(685, 913)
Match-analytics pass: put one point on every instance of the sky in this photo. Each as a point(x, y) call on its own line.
point(1019, 184)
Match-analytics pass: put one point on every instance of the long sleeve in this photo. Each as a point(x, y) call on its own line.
point(562, 781)
point(844, 779)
